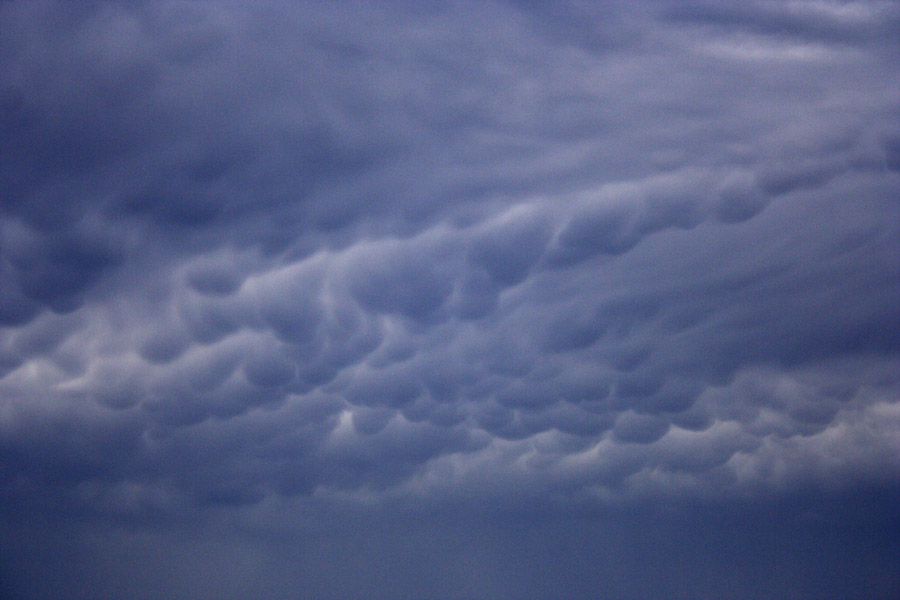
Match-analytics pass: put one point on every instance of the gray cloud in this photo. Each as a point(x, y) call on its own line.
point(507, 263)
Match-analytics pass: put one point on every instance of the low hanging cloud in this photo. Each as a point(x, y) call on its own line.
point(263, 256)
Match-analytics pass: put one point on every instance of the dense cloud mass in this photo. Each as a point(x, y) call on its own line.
point(370, 299)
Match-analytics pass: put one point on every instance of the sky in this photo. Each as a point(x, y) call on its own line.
point(450, 300)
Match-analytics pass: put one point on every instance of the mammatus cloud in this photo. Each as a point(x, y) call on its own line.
point(266, 261)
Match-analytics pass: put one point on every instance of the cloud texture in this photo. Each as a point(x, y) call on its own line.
point(270, 266)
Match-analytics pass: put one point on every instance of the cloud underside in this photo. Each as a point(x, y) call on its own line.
point(277, 255)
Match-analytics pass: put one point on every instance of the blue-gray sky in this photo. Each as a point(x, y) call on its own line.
point(449, 300)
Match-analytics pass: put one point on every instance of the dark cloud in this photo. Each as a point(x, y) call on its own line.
point(466, 300)
point(403, 280)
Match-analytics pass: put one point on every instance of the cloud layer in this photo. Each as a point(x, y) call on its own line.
point(267, 259)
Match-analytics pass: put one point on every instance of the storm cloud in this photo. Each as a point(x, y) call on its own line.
point(370, 299)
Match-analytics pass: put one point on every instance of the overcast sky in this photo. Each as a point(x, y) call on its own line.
point(450, 300)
